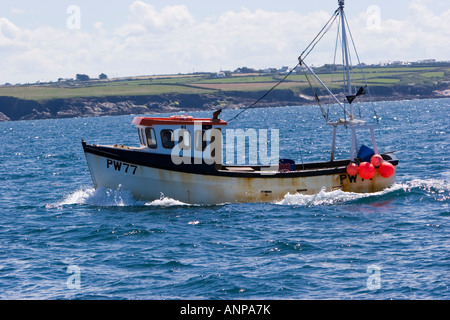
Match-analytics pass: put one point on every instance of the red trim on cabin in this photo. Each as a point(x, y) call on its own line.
point(176, 120)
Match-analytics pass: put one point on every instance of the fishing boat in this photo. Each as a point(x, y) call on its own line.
point(181, 157)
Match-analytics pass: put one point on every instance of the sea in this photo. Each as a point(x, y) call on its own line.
point(60, 239)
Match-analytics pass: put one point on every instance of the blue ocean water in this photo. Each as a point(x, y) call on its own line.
point(61, 239)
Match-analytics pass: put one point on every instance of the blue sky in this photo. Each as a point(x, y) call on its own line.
point(39, 41)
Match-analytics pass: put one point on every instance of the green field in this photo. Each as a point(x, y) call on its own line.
point(40, 93)
point(206, 83)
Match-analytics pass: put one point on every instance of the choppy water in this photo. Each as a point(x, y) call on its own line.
point(61, 239)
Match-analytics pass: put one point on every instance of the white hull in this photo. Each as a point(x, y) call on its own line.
point(147, 183)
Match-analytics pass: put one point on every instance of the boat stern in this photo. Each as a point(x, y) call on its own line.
point(355, 183)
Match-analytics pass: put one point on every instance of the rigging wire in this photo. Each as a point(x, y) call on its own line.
point(320, 35)
point(265, 95)
point(316, 97)
point(344, 17)
point(341, 40)
point(338, 37)
point(308, 50)
point(363, 74)
point(304, 54)
point(335, 52)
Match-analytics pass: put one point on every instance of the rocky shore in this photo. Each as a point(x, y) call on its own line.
point(13, 109)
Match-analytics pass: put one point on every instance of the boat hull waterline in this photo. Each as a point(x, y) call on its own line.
point(112, 168)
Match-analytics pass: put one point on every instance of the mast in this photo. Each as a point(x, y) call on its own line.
point(345, 54)
point(352, 123)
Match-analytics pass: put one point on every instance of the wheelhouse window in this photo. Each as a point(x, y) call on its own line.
point(200, 138)
point(200, 143)
point(166, 138)
point(141, 133)
point(184, 139)
point(151, 138)
point(140, 137)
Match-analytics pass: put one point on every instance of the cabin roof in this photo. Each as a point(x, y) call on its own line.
point(177, 120)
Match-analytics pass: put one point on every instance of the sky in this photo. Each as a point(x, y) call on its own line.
point(47, 40)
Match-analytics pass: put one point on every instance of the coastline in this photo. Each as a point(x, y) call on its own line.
point(15, 109)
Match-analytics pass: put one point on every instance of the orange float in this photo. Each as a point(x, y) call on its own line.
point(376, 160)
point(352, 169)
point(366, 170)
point(386, 169)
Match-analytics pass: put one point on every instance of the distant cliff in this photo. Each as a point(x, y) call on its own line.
point(12, 109)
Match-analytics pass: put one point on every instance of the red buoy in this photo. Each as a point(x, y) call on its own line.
point(366, 170)
point(386, 169)
point(352, 169)
point(376, 160)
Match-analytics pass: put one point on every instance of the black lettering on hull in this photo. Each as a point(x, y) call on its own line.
point(121, 166)
point(351, 179)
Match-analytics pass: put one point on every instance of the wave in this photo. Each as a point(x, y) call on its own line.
point(428, 185)
point(166, 202)
point(103, 197)
point(438, 189)
point(331, 197)
point(97, 197)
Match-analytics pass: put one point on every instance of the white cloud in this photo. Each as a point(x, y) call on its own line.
point(8, 31)
point(169, 18)
point(422, 35)
point(251, 38)
point(172, 40)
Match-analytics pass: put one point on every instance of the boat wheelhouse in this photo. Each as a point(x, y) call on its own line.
point(158, 135)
